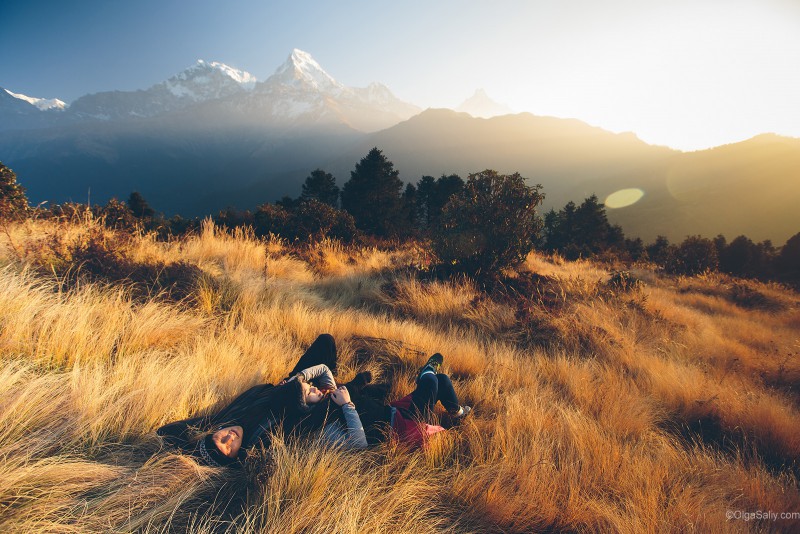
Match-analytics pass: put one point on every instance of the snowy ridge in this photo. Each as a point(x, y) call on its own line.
point(43, 104)
point(208, 80)
point(197, 71)
point(300, 69)
point(300, 94)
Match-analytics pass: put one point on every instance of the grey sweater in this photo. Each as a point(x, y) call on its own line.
point(350, 435)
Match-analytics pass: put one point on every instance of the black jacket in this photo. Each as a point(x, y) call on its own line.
point(256, 410)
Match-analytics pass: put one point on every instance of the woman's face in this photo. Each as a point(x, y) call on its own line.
point(228, 440)
point(311, 393)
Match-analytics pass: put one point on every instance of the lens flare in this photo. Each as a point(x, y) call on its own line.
point(623, 198)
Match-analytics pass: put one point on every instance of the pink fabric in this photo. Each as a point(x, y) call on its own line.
point(411, 431)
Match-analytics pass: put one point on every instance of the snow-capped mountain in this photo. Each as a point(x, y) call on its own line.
point(301, 92)
point(480, 105)
point(301, 71)
point(208, 80)
point(201, 82)
point(22, 112)
point(43, 104)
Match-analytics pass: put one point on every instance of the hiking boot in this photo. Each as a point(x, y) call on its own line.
point(432, 365)
point(462, 412)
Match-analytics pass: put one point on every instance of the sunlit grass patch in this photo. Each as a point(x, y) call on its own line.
point(597, 406)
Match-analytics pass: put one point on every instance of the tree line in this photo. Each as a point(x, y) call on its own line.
point(479, 225)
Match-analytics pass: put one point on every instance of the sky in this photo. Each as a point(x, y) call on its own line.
point(689, 74)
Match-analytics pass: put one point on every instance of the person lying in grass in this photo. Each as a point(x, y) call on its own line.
point(405, 419)
point(224, 438)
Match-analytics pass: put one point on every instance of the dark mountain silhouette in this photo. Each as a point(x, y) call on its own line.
point(749, 188)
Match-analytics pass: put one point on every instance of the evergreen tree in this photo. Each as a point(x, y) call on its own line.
point(426, 190)
point(635, 248)
point(321, 185)
point(433, 194)
point(788, 261)
point(741, 257)
point(410, 209)
point(13, 201)
point(139, 206)
point(372, 195)
point(582, 231)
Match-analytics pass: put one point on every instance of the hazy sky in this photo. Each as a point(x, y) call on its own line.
point(684, 73)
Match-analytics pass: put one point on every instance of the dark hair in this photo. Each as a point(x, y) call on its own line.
point(207, 452)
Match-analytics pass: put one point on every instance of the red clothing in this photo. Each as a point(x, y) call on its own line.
point(408, 429)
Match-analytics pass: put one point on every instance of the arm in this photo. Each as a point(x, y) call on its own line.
point(322, 374)
point(354, 436)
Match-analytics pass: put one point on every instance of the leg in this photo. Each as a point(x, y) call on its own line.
point(323, 350)
point(424, 397)
point(430, 389)
point(447, 394)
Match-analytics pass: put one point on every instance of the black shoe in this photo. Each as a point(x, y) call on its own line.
point(433, 364)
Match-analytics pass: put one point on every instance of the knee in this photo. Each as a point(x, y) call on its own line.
point(428, 379)
point(442, 378)
point(326, 339)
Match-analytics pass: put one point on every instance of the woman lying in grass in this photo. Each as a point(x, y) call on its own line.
point(404, 419)
point(223, 438)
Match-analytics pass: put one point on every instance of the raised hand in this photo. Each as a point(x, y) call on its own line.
point(340, 396)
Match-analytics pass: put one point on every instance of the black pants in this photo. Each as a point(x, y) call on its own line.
point(431, 388)
point(323, 350)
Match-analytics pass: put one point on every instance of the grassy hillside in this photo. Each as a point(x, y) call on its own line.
point(600, 403)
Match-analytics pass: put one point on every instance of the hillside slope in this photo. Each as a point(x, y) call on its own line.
point(747, 188)
point(599, 406)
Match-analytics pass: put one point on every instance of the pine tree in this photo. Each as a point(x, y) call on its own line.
point(321, 185)
point(372, 195)
point(13, 202)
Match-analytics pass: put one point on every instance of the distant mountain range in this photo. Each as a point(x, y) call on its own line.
point(213, 136)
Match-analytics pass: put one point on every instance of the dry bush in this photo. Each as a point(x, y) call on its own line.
point(599, 405)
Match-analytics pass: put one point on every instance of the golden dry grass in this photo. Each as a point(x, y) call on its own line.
point(645, 409)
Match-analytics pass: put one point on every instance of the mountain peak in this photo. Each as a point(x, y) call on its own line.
point(203, 72)
point(206, 80)
point(480, 105)
point(242, 77)
point(302, 69)
point(43, 104)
